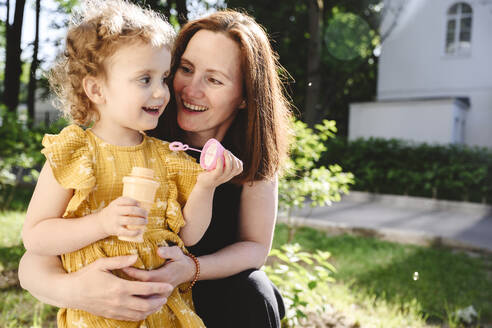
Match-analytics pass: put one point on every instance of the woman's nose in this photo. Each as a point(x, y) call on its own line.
point(194, 88)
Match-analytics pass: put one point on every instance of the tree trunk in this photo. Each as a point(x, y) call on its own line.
point(7, 29)
point(166, 10)
point(31, 92)
point(182, 12)
point(152, 3)
point(7, 20)
point(13, 67)
point(312, 103)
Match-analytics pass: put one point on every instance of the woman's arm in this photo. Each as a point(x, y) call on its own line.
point(88, 288)
point(257, 215)
point(258, 211)
point(198, 209)
point(46, 233)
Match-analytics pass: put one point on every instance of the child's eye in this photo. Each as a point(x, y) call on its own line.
point(144, 80)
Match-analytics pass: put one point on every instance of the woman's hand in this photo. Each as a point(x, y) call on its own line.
point(223, 171)
point(96, 290)
point(178, 268)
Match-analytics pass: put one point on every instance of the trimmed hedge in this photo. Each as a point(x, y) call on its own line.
point(453, 172)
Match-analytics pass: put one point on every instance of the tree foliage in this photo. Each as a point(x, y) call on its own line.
point(343, 70)
point(344, 79)
point(20, 153)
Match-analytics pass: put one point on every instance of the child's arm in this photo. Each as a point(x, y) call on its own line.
point(45, 232)
point(198, 209)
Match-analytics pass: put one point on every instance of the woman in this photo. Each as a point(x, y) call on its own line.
point(225, 82)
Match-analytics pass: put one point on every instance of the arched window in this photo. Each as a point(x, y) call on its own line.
point(458, 30)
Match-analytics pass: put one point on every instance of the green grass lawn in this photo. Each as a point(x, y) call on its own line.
point(375, 280)
point(373, 269)
point(17, 307)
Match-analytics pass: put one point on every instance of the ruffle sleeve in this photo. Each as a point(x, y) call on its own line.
point(182, 171)
point(71, 162)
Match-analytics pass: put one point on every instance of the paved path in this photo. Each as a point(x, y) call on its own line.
point(408, 219)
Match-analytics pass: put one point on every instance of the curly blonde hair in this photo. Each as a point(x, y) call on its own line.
point(97, 30)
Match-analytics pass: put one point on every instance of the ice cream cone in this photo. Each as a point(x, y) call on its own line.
point(141, 186)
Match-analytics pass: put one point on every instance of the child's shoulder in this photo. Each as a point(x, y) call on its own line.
point(69, 146)
point(69, 156)
point(158, 142)
point(161, 146)
point(71, 136)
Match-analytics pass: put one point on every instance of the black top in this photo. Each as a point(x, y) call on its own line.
point(223, 229)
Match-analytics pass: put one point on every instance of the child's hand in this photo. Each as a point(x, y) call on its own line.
point(222, 172)
point(120, 213)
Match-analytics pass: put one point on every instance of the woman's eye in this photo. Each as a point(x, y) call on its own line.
point(185, 69)
point(214, 81)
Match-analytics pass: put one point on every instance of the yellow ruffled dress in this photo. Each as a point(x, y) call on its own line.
point(94, 169)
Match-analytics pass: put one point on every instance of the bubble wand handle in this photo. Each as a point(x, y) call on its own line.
point(177, 146)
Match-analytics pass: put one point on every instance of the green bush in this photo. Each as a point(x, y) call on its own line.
point(453, 172)
point(304, 179)
point(298, 275)
point(20, 158)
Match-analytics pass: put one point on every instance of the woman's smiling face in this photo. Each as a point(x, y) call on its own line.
point(208, 86)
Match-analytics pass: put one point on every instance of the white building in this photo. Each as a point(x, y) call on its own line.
point(435, 75)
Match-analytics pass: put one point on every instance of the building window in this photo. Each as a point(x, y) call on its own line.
point(458, 29)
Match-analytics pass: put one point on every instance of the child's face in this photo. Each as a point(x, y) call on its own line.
point(135, 90)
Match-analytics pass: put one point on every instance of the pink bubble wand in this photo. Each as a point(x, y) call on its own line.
point(210, 153)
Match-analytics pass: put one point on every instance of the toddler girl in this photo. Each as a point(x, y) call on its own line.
point(112, 75)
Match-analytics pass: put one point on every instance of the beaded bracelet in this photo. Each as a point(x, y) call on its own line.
point(197, 273)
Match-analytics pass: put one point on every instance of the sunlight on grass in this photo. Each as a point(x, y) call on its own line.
point(20, 309)
point(10, 228)
point(447, 281)
point(371, 311)
point(11, 248)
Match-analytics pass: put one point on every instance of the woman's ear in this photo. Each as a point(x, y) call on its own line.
point(93, 89)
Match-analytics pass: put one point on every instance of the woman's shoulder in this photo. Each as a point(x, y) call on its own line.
point(259, 186)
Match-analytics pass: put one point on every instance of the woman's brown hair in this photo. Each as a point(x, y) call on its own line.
point(260, 134)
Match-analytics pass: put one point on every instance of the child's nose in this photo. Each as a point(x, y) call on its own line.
point(160, 91)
